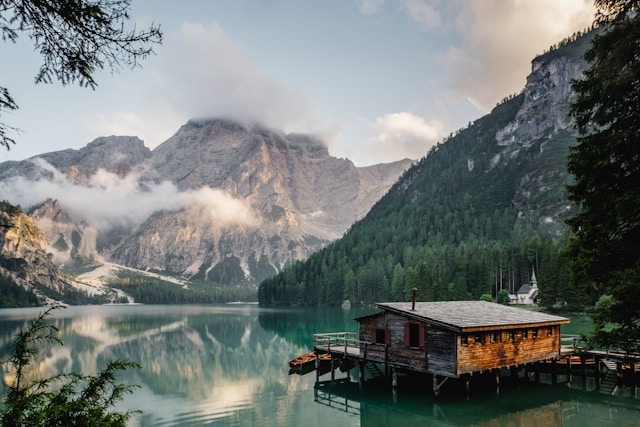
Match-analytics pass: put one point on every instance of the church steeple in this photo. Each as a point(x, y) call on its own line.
point(534, 281)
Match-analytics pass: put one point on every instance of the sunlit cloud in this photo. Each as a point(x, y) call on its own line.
point(209, 75)
point(109, 201)
point(500, 38)
point(404, 135)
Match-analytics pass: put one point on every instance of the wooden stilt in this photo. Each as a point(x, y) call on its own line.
point(394, 378)
point(437, 384)
point(554, 372)
point(597, 373)
point(634, 388)
point(333, 370)
point(583, 372)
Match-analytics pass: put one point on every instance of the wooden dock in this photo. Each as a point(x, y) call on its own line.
point(346, 350)
point(463, 340)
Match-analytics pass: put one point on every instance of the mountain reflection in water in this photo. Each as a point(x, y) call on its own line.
point(227, 366)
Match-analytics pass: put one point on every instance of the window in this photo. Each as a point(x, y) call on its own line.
point(511, 335)
point(464, 339)
point(495, 336)
point(477, 338)
point(550, 331)
point(525, 334)
point(414, 335)
point(535, 334)
point(381, 336)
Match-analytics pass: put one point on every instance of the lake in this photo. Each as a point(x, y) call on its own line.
point(226, 365)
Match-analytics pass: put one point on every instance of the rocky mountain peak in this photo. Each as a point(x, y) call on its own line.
point(227, 202)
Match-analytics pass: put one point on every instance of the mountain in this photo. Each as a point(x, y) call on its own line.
point(219, 202)
point(24, 261)
point(476, 215)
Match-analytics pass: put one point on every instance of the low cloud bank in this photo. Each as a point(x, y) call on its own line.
point(109, 201)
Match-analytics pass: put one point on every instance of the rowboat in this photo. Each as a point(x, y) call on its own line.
point(324, 357)
point(302, 361)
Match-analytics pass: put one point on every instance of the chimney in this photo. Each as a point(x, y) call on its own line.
point(414, 291)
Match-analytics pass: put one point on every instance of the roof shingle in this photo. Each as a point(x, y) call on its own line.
point(471, 314)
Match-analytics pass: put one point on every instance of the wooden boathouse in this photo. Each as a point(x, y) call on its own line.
point(448, 339)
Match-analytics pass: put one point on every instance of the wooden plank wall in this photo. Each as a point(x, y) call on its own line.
point(441, 352)
point(367, 332)
point(484, 355)
point(398, 353)
point(446, 353)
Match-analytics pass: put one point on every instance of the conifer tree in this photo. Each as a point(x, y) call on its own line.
point(76, 38)
point(64, 399)
point(606, 165)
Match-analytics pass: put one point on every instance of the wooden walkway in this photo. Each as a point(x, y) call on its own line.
point(345, 346)
point(340, 344)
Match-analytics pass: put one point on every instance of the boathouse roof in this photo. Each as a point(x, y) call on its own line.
point(470, 316)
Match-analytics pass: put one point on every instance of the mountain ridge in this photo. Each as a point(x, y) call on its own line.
point(219, 201)
point(473, 216)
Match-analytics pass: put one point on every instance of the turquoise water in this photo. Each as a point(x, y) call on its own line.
point(227, 366)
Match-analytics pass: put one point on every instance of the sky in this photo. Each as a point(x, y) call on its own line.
point(376, 80)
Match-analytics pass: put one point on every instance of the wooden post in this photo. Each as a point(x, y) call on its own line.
point(361, 363)
point(597, 373)
point(583, 372)
point(317, 363)
point(570, 374)
point(554, 372)
point(634, 388)
point(394, 378)
point(333, 370)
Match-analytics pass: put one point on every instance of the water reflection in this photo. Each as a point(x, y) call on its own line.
point(227, 366)
point(531, 404)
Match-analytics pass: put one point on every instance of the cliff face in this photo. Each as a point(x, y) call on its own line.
point(542, 133)
point(23, 250)
point(230, 203)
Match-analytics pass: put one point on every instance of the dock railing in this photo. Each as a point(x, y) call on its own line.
point(571, 343)
point(344, 342)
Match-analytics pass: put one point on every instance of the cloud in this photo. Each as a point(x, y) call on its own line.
point(109, 201)
point(369, 7)
point(404, 135)
point(499, 39)
point(205, 74)
point(423, 13)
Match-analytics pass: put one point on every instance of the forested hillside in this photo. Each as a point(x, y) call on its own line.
point(476, 215)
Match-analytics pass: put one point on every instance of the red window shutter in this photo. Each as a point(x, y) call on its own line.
point(387, 336)
point(407, 340)
point(421, 338)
